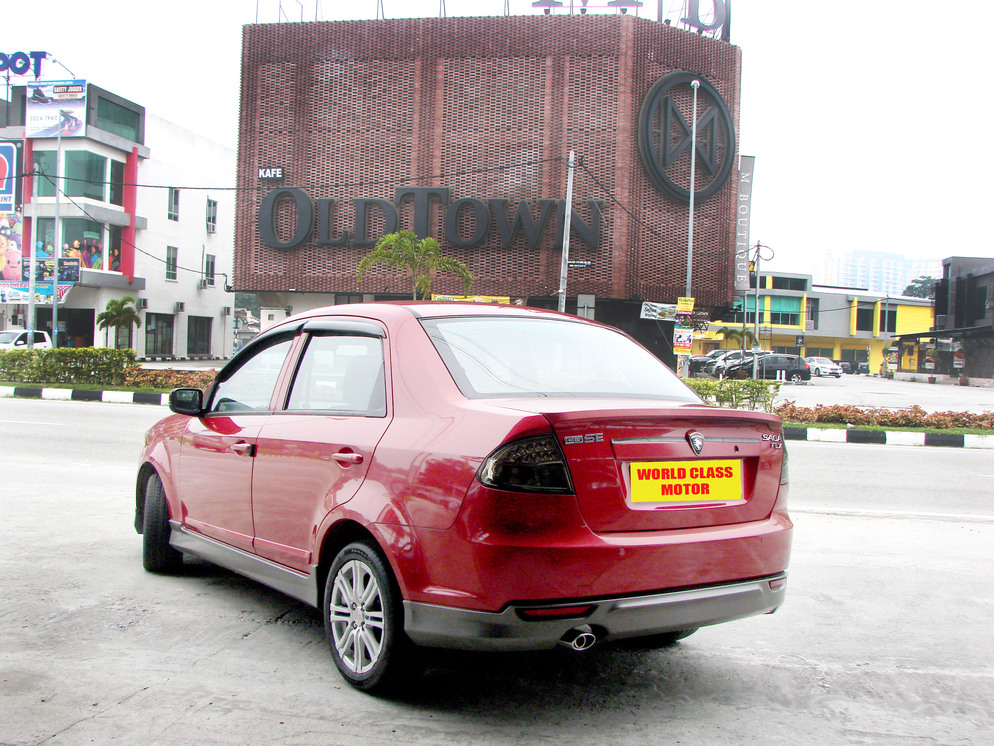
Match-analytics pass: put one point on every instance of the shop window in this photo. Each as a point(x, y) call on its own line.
point(173, 210)
point(198, 335)
point(813, 306)
point(85, 174)
point(172, 262)
point(789, 283)
point(888, 319)
point(113, 262)
point(828, 352)
point(211, 215)
point(785, 311)
point(121, 121)
point(116, 183)
point(864, 319)
point(209, 262)
point(158, 334)
point(44, 161)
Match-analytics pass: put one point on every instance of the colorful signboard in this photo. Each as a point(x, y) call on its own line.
point(10, 179)
point(55, 108)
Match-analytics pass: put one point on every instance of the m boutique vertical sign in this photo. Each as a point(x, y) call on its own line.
point(743, 214)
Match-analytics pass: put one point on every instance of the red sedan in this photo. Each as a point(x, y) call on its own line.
point(469, 476)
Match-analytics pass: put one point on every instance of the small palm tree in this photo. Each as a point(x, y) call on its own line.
point(731, 334)
point(119, 314)
point(422, 258)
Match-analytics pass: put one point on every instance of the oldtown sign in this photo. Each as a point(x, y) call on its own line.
point(664, 136)
point(314, 219)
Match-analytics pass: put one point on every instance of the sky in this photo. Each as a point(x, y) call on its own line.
point(867, 118)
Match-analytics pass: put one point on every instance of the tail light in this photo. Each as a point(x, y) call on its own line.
point(534, 464)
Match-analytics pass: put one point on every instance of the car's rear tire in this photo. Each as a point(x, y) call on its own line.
point(364, 622)
point(157, 554)
point(796, 378)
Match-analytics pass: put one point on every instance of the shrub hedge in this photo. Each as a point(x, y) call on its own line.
point(82, 365)
point(747, 393)
point(915, 416)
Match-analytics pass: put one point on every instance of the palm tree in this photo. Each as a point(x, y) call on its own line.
point(119, 314)
point(743, 335)
point(422, 258)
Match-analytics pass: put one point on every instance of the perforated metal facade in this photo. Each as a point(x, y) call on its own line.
point(489, 108)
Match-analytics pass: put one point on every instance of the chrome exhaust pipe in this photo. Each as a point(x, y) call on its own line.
point(579, 638)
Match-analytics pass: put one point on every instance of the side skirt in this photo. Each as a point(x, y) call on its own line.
point(292, 583)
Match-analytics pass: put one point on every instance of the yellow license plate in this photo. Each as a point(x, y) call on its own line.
point(687, 481)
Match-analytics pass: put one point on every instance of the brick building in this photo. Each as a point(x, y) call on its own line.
point(459, 128)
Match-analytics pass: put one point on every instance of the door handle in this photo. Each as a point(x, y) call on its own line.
point(348, 458)
point(244, 449)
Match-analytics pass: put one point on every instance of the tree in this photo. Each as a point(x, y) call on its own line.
point(249, 301)
point(922, 287)
point(731, 334)
point(422, 258)
point(119, 314)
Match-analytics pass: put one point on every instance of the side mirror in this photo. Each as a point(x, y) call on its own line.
point(187, 401)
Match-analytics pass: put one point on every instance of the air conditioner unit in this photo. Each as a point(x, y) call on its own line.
point(226, 311)
point(179, 307)
point(940, 320)
point(202, 283)
point(142, 303)
point(809, 325)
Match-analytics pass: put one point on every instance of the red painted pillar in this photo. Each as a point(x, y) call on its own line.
point(130, 207)
point(27, 197)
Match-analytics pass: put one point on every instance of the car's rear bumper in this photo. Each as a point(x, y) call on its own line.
point(609, 619)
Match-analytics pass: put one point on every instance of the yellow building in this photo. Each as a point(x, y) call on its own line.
point(801, 318)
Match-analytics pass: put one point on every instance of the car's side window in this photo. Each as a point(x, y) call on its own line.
point(251, 386)
point(340, 373)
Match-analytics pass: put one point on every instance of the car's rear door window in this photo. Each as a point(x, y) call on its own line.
point(340, 373)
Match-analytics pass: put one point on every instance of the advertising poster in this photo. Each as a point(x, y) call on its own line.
point(55, 108)
point(10, 178)
point(683, 335)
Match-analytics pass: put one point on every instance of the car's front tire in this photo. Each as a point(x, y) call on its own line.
point(364, 620)
point(157, 554)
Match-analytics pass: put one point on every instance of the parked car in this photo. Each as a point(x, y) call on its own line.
point(468, 476)
point(774, 366)
point(853, 367)
point(17, 339)
point(822, 366)
point(722, 366)
point(697, 363)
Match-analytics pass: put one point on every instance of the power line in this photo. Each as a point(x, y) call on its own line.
point(344, 185)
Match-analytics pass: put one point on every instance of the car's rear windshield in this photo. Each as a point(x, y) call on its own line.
point(512, 357)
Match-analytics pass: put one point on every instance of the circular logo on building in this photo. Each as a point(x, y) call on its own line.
point(665, 132)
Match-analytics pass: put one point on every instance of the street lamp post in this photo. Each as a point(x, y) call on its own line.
point(693, 162)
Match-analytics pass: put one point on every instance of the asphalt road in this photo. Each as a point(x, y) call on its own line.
point(885, 637)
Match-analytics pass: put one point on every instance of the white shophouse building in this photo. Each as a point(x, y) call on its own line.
point(147, 210)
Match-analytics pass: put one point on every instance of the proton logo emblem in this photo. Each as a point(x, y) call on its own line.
point(665, 131)
point(696, 441)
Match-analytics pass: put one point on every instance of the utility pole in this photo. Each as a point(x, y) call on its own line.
point(567, 217)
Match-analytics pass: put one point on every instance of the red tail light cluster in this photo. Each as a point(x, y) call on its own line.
point(534, 464)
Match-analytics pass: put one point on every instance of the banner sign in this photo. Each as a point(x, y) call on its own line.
point(55, 108)
point(658, 311)
point(743, 213)
point(18, 293)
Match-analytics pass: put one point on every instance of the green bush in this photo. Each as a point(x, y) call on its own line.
point(739, 394)
point(845, 414)
point(83, 365)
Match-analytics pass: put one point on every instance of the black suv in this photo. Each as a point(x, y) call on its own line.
point(774, 366)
